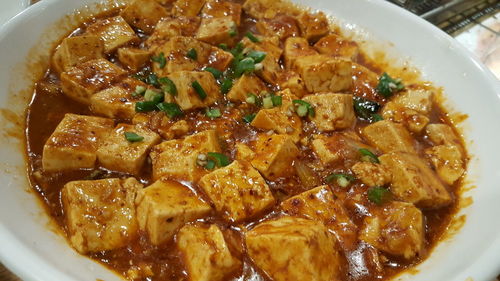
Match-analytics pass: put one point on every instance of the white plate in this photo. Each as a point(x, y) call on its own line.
point(11, 8)
point(34, 253)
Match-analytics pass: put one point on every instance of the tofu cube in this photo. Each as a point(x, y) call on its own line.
point(237, 191)
point(220, 9)
point(185, 152)
point(411, 119)
point(291, 248)
point(84, 80)
point(187, 97)
point(245, 85)
point(114, 32)
point(206, 254)
point(334, 45)
point(176, 49)
point(219, 59)
point(187, 8)
point(324, 74)
point(320, 204)
point(442, 134)
point(274, 156)
point(448, 162)
point(283, 26)
point(280, 119)
point(292, 81)
point(371, 174)
point(116, 153)
point(396, 229)
point(419, 100)
point(296, 47)
point(133, 58)
point(332, 111)
point(216, 31)
point(171, 27)
point(100, 214)
point(74, 143)
point(313, 26)
point(413, 181)
point(336, 148)
point(164, 207)
point(144, 14)
point(270, 65)
point(244, 152)
point(268, 9)
point(388, 136)
point(76, 50)
point(116, 102)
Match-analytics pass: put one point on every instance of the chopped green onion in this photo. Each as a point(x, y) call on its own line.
point(257, 56)
point(133, 137)
point(215, 72)
point(248, 118)
point(365, 108)
point(220, 159)
point(154, 96)
point(152, 79)
point(226, 85)
point(245, 65)
point(171, 109)
point(368, 156)
point(145, 106)
point(192, 54)
point(139, 91)
point(267, 102)
point(160, 59)
point(210, 164)
point(252, 37)
point(199, 90)
point(379, 195)
point(251, 98)
point(304, 108)
point(223, 46)
point(168, 86)
point(342, 179)
point(233, 31)
point(387, 85)
point(277, 100)
point(376, 117)
point(213, 113)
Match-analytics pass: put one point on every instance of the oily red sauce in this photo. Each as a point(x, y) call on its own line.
point(49, 105)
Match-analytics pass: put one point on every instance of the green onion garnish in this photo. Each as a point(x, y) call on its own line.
point(277, 100)
point(152, 79)
point(304, 108)
point(133, 137)
point(245, 65)
point(154, 96)
point(252, 37)
point(160, 59)
point(145, 106)
point(387, 85)
point(168, 86)
point(249, 118)
point(365, 108)
point(257, 56)
point(171, 109)
point(251, 98)
point(223, 46)
point(210, 164)
point(368, 156)
point(267, 102)
point(192, 54)
point(376, 117)
point(226, 85)
point(342, 179)
point(220, 159)
point(139, 91)
point(234, 30)
point(199, 90)
point(213, 113)
point(379, 195)
point(215, 72)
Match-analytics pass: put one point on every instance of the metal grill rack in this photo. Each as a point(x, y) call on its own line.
point(453, 16)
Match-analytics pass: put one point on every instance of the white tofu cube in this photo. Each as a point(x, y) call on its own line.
point(296, 47)
point(337, 147)
point(206, 254)
point(448, 162)
point(74, 143)
point(144, 14)
point(176, 159)
point(283, 26)
point(171, 27)
point(332, 111)
point(221, 8)
point(411, 119)
point(268, 9)
point(217, 31)
point(237, 191)
point(116, 153)
point(244, 152)
point(313, 25)
point(270, 65)
point(246, 84)
point(114, 32)
point(133, 58)
point(187, 96)
point(76, 50)
point(275, 155)
point(290, 248)
point(371, 174)
point(100, 214)
point(442, 134)
point(164, 207)
point(388, 136)
point(85, 79)
point(292, 81)
point(320, 204)
point(324, 74)
point(117, 101)
point(413, 181)
point(334, 45)
point(187, 8)
point(396, 229)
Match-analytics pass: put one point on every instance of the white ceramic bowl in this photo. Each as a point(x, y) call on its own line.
point(31, 250)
